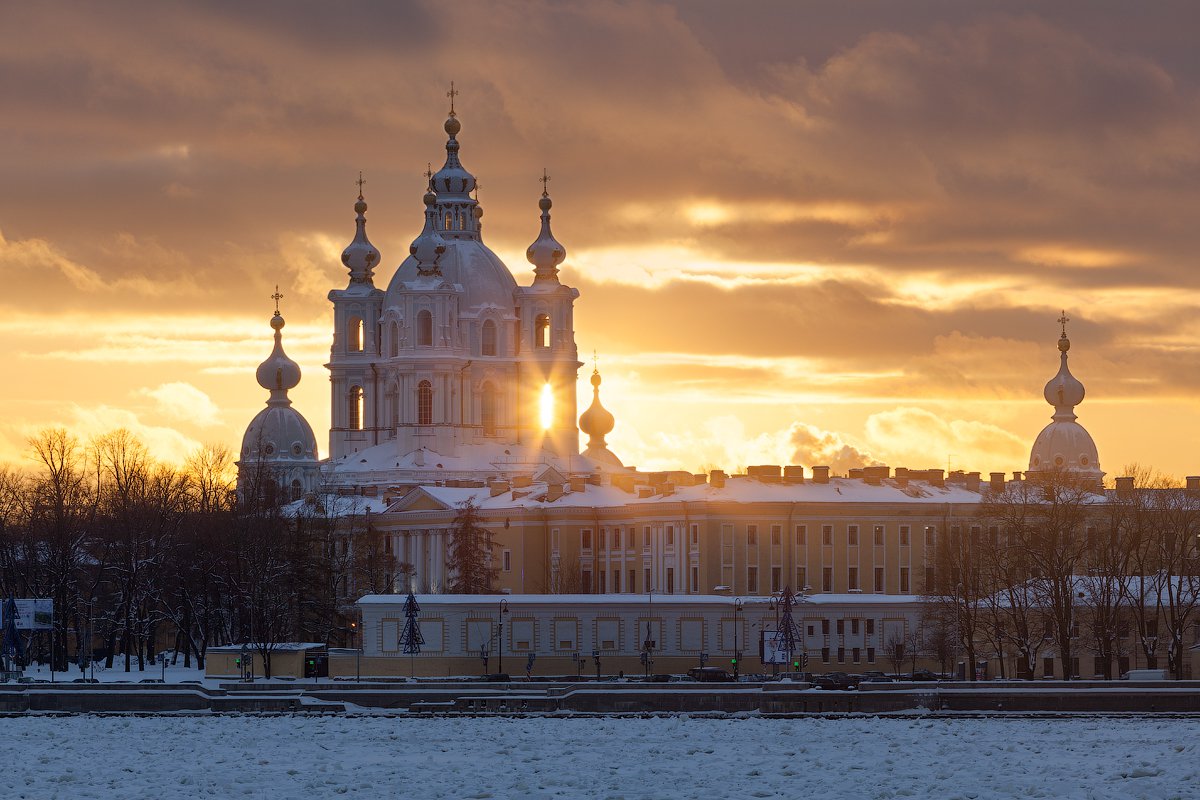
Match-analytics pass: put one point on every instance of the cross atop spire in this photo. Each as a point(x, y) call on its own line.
point(1063, 320)
point(277, 297)
point(595, 361)
point(545, 179)
point(428, 173)
point(360, 183)
point(452, 94)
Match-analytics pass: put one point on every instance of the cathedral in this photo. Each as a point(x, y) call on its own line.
point(453, 371)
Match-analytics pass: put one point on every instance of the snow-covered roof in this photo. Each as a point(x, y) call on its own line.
point(277, 647)
point(735, 490)
point(382, 463)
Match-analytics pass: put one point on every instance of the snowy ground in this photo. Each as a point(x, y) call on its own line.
point(670, 757)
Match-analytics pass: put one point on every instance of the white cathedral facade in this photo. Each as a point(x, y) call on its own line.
point(453, 371)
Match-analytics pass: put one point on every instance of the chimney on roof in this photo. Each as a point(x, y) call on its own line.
point(876, 475)
point(553, 492)
point(793, 474)
point(934, 477)
point(820, 474)
point(717, 478)
point(1125, 486)
point(767, 473)
point(972, 481)
point(1193, 483)
point(1017, 476)
point(996, 481)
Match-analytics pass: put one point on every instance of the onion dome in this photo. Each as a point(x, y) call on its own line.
point(545, 253)
point(597, 422)
point(1064, 391)
point(428, 247)
point(278, 373)
point(1064, 444)
point(360, 256)
point(279, 433)
point(453, 181)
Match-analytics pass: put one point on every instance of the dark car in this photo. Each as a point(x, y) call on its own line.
point(709, 675)
point(876, 679)
point(922, 675)
point(835, 680)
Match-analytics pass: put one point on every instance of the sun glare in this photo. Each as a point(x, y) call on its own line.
point(546, 407)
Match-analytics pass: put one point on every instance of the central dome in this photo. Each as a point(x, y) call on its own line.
point(469, 263)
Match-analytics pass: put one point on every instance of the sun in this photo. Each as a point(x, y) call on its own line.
point(546, 407)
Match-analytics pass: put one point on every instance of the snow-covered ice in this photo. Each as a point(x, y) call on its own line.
point(665, 757)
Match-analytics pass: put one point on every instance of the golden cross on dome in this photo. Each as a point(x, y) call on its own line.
point(452, 94)
point(1063, 320)
point(277, 297)
point(595, 361)
point(360, 183)
point(544, 179)
point(428, 171)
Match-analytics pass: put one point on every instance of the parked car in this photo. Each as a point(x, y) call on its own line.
point(922, 675)
point(709, 675)
point(879, 678)
point(796, 676)
point(835, 680)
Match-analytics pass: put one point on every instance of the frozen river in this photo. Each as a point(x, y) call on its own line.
point(165, 758)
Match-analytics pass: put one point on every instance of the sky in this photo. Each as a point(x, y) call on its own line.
point(803, 233)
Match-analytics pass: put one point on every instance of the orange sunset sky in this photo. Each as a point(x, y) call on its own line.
point(811, 233)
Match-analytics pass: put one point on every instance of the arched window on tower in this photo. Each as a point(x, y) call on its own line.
point(487, 409)
point(425, 403)
point(448, 220)
point(541, 331)
point(487, 344)
point(355, 417)
point(395, 349)
point(297, 490)
point(424, 329)
point(354, 335)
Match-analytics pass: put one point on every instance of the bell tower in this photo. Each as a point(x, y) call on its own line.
point(355, 409)
point(548, 358)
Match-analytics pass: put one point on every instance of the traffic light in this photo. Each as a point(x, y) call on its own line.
point(237, 662)
point(733, 661)
point(796, 665)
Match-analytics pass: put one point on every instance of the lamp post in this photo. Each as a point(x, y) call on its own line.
point(737, 638)
point(500, 634)
point(354, 628)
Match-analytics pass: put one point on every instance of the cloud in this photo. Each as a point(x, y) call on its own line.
point(918, 437)
point(165, 444)
point(816, 447)
point(185, 403)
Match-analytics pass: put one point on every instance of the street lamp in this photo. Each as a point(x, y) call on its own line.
point(357, 651)
point(737, 639)
point(500, 636)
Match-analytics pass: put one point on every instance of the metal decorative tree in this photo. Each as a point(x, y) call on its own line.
point(411, 638)
point(789, 637)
